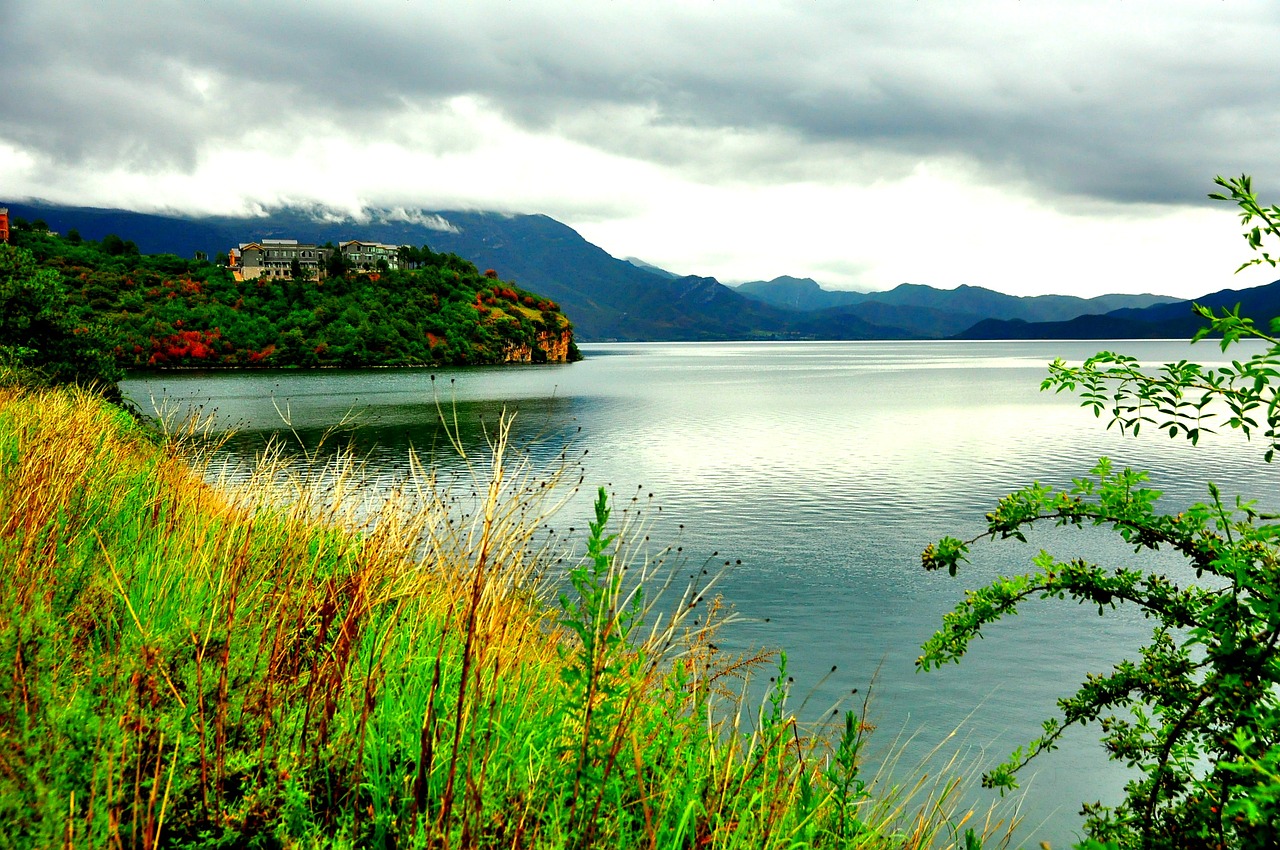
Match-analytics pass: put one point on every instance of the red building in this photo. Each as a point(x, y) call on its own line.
point(4, 224)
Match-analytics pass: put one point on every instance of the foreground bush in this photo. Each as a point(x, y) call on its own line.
point(1196, 710)
point(299, 662)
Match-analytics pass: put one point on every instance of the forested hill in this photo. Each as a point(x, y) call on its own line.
point(159, 310)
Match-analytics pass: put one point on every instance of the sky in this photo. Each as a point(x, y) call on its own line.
point(1030, 147)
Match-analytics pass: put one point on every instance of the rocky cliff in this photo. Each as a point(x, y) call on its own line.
point(551, 347)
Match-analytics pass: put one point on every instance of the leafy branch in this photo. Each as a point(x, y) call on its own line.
point(1196, 711)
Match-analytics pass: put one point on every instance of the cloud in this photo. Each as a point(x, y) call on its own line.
point(607, 115)
point(1095, 99)
point(431, 221)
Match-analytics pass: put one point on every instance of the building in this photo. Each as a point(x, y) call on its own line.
point(275, 258)
point(365, 255)
point(4, 224)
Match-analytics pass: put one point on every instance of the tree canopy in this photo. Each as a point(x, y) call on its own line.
point(39, 333)
point(155, 311)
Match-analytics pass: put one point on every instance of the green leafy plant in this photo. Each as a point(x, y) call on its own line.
point(1196, 709)
point(40, 334)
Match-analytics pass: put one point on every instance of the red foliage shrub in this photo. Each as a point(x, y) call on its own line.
point(184, 345)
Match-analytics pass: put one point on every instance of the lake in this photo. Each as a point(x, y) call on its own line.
point(825, 468)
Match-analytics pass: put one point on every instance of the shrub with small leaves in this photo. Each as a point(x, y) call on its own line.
point(1197, 709)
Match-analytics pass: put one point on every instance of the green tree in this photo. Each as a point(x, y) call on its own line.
point(335, 265)
point(37, 332)
point(113, 245)
point(1196, 708)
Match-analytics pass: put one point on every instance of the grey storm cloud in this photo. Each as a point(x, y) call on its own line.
point(1101, 101)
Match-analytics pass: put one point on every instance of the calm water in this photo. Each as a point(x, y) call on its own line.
point(825, 468)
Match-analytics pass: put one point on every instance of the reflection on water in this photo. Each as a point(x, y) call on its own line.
point(825, 468)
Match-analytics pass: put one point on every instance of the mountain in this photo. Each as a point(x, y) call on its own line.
point(605, 297)
point(978, 300)
point(650, 267)
point(916, 321)
point(1172, 320)
point(797, 293)
point(925, 311)
point(965, 303)
point(608, 298)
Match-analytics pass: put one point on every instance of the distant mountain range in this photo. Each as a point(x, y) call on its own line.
point(929, 312)
point(1172, 320)
point(608, 298)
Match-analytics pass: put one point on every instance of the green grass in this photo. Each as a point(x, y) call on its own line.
point(303, 661)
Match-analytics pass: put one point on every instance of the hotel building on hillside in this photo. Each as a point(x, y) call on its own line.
point(365, 255)
point(273, 258)
point(4, 224)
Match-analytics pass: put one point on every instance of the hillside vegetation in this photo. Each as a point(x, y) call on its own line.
point(616, 299)
point(150, 311)
point(299, 662)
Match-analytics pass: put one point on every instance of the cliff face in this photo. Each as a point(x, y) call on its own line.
point(551, 347)
point(556, 345)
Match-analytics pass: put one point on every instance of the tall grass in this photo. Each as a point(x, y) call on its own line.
point(302, 661)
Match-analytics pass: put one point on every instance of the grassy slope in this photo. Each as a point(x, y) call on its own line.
point(190, 665)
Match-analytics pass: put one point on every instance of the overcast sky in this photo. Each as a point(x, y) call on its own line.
point(1028, 146)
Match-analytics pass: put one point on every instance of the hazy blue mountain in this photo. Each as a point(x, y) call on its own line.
point(919, 321)
point(1173, 320)
point(945, 311)
point(153, 234)
point(797, 293)
point(978, 300)
point(650, 267)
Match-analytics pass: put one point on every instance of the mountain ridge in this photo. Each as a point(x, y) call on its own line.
point(609, 298)
point(1174, 320)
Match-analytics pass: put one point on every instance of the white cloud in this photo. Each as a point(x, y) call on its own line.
point(1026, 147)
point(934, 227)
point(431, 221)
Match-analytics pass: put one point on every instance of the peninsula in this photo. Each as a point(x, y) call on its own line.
point(340, 307)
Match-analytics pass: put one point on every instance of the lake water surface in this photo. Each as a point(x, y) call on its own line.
point(825, 468)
